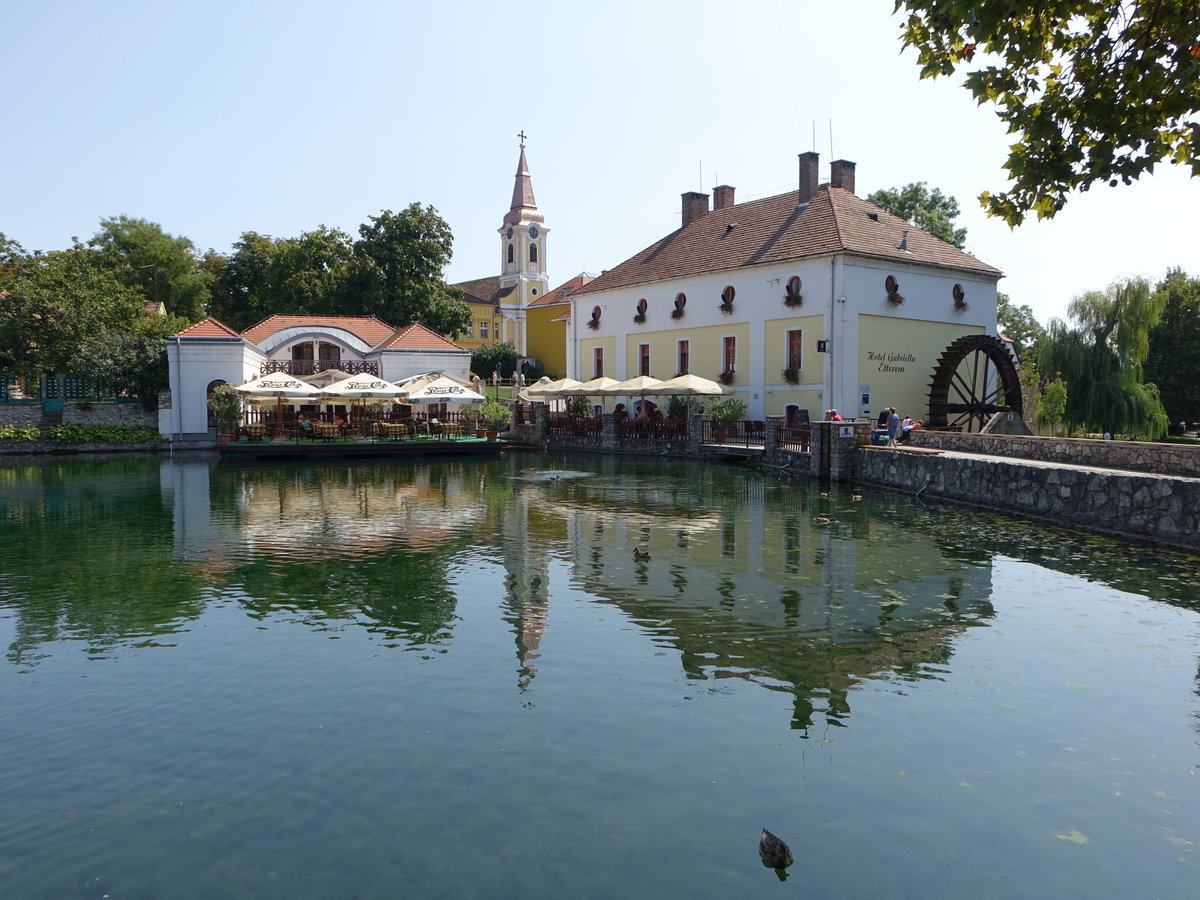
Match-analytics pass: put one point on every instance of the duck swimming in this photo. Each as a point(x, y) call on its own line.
point(774, 852)
point(639, 553)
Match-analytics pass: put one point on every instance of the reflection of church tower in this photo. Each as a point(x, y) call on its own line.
point(523, 258)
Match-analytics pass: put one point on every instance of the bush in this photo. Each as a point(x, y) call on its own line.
point(103, 434)
point(497, 415)
point(20, 433)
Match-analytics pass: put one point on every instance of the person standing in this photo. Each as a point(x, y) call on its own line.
point(893, 425)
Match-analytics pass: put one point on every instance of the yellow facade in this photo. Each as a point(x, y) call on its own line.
point(901, 354)
point(547, 339)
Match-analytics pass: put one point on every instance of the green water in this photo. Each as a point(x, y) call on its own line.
point(457, 680)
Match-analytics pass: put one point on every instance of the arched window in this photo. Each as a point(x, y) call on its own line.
point(510, 252)
point(680, 303)
point(793, 286)
point(642, 306)
point(533, 253)
point(727, 294)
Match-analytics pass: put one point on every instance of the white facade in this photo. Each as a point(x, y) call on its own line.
point(869, 343)
point(199, 361)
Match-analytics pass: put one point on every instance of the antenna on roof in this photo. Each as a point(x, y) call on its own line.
point(813, 148)
point(831, 156)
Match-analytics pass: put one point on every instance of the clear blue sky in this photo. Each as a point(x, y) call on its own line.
point(217, 118)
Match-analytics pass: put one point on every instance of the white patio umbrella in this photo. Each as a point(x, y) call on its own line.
point(588, 388)
point(362, 386)
point(443, 390)
point(552, 390)
point(279, 385)
point(690, 386)
point(523, 395)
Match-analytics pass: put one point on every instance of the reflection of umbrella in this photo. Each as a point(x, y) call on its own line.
point(552, 390)
point(443, 390)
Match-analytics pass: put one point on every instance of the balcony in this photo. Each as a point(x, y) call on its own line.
point(312, 367)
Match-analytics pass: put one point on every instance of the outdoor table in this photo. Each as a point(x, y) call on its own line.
point(326, 430)
point(391, 429)
point(254, 432)
point(452, 429)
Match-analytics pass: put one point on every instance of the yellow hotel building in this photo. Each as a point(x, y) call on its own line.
point(804, 301)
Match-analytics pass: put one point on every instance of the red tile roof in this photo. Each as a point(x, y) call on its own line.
point(484, 290)
point(561, 293)
point(774, 230)
point(368, 329)
point(418, 337)
point(209, 327)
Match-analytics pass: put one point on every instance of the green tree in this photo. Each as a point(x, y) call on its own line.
point(1100, 359)
point(50, 302)
point(135, 355)
point(929, 210)
point(266, 276)
point(487, 359)
point(158, 265)
point(1173, 362)
point(1091, 91)
point(398, 264)
point(1051, 405)
point(1018, 323)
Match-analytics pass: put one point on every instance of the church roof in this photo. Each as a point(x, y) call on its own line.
point(484, 290)
point(524, 208)
point(775, 229)
point(562, 293)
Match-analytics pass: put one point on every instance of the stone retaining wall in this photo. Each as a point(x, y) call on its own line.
point(1136, 456)
point(22, 448)
point(1161, 508)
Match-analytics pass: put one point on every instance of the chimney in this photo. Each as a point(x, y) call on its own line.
point(722, 197)
point(695, 205)
point(841, 174)
point(808, 177)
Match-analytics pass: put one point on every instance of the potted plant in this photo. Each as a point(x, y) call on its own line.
point(791, 301)
point(639, 318)
point(726, 414)
point(791, 375)
point(226, 406)
point(496, 415)
point(726, 377)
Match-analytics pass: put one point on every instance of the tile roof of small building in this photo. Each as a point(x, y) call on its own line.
point(368, 329)
point(561, 294)
point(205, 328)
point(484, 290)
point(775, 229)
point(418, 337)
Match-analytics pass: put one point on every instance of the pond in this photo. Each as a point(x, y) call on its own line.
point(549, 677)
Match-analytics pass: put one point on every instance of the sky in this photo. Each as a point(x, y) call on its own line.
point(217, 118)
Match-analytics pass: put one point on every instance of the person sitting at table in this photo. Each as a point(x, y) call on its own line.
point(305, 425)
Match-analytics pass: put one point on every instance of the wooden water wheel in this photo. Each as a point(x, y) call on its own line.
point(973, 380)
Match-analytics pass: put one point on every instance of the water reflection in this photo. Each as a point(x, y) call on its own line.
point(799, 590)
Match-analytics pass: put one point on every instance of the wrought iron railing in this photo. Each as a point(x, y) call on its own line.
point(574, 426)
point(17, 388)
point(651, 429)
point(796, 437)
point(314, 366)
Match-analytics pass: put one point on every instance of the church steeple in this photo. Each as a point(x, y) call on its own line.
point(523, 278)
point(524, 207)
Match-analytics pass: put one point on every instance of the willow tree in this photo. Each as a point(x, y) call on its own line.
point(1100, 354)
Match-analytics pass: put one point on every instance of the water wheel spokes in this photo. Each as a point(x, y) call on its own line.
point(973, 380)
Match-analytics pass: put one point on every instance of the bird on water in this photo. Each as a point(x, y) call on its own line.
point(774, 852)
point(639, 553)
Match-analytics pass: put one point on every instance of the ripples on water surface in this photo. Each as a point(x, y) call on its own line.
point(457, 680)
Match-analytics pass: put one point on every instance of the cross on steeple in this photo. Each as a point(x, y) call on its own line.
point(521, 135)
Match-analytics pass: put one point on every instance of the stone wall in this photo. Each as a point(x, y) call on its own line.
point(20, 413)
point(1136, 456)
point(111, 414)
point(1160, 508)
